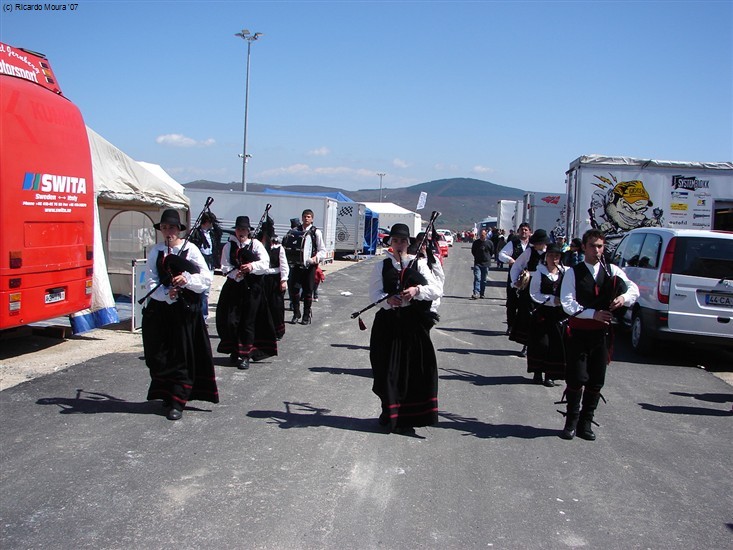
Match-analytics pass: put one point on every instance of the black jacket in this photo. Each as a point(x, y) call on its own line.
point(482, 252)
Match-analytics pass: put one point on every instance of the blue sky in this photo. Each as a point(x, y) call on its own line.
point(508, 92)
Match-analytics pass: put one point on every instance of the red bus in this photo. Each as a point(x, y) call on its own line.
point(46, 195)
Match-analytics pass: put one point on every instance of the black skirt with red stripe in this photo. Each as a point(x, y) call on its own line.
point(178, 353)
point(243, 320)
point(404, 368)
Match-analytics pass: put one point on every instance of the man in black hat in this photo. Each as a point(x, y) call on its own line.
point(520, 275)
point(176, 345)
point(243, 320)
point(305, 249)
point(516, 244)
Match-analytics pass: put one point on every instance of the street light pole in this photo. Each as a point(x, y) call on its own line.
point(245, 35)
point(381, 175)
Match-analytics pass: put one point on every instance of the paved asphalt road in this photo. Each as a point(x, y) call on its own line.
point(292, 457)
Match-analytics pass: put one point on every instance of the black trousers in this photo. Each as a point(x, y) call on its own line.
point(301, 282)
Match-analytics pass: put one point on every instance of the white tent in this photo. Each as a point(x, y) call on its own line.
point(131, 197)
point(391, 213)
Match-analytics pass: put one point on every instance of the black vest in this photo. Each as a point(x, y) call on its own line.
point(549, 287)
point(591, 293)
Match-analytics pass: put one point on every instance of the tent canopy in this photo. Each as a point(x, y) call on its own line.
point(119, 179)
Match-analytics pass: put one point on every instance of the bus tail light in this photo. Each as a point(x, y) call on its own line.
point(14, 304)
point(16, 259)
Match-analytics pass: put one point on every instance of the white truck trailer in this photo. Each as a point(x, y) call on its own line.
point(228, 205)
point(545, 211)
point(509, 214)
point(618, 194)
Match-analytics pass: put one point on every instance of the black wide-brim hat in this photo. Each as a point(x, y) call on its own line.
point(171, 217)
point(554, 248)
point(539, 237)
point(397, 230)
point(242, 222)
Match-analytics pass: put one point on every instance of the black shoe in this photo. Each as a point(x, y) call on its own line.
point(174, 414)
point(508, 331)
point(584, 432)
point(233, 358)
point(404, 430)
point(295, 318)
point(537, 379)
point(482, 296)
point(523, 353)
point(549, 383)
point(243, 364)
point(568, 433)
point(307, 318)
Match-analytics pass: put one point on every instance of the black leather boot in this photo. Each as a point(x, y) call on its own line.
point(585, 424)
point(572, 414)
point(296, 311)
point(307, 315)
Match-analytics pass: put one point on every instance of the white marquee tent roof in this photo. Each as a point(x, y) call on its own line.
point(118, 178)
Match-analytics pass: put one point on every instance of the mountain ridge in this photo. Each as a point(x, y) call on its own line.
point(461, 201)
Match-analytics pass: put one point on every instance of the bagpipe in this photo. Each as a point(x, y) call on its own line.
point(608, 292)
point(409, 276)
point(246, 254)
point(175, 264)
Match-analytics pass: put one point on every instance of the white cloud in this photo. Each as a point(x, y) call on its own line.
point(179, 140)
point(478, 169)
point(399, 163)
point(320, 152)
point(445, 167)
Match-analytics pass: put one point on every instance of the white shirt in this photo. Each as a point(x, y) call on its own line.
point(568, 297)
point(535, 284)
point(308, 245)
point(259, 266)
point(197, 282)
point(505, 255)
point(433, 290)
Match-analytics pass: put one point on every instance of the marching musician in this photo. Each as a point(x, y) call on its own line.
point(527, 260)
point(401, 353)
point(243, 319)
point(545, 350)
point(589, 293)
point(310, 251)
point(514, 247)
point(175, 342)
point(276, 281)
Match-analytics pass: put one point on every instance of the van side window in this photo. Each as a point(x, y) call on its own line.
point(649, 255)
point(632, 250)
point(618, 253)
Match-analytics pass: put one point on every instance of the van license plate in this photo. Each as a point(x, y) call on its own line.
point(718, 300)
point(53, 297)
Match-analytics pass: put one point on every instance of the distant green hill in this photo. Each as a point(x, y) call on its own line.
point(461, 201)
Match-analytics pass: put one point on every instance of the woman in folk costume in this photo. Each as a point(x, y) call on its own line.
point(243, 319)
point(545, 350)
point(529, 260)
point(175, 342)
point(275, 281)
point(401, 353)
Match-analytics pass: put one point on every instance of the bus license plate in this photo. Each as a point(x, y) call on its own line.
point(719, 300)
point(53, 297)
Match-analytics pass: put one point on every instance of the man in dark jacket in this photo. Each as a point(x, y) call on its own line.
point(482, 250)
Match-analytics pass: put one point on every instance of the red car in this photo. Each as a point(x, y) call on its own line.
point(442, 246)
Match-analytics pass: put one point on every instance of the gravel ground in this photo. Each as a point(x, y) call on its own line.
point(28, 356)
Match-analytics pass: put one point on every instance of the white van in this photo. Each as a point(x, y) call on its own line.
point(685, 280)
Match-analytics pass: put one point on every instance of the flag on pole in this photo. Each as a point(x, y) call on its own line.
point(422, 200)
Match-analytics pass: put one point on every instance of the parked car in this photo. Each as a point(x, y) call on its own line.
point(685, 280)
point(442, 246)
point(447, 234)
